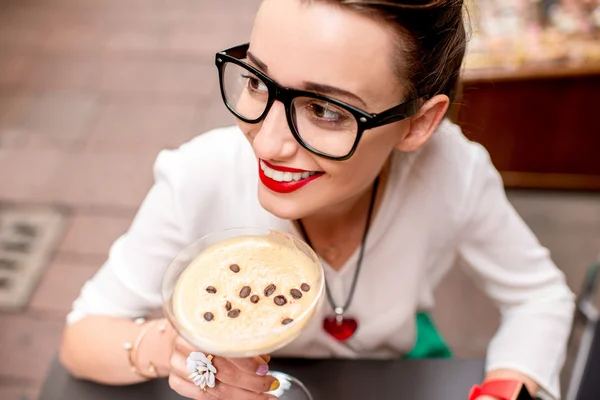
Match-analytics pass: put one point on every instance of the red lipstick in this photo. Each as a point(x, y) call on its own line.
point(284, 187)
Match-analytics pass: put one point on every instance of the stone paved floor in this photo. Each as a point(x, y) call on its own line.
point(90, 91)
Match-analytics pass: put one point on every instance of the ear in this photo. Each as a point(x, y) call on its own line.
point(424, 123)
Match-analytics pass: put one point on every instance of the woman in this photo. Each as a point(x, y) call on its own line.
point(341, 111)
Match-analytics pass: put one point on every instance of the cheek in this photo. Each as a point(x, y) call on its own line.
point(374, 149)
point(362, 169)
point(368, 161)
point(394, 134)
point(348, 178)
point(249, 130)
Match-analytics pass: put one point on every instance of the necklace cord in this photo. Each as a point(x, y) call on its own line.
point(360, 255)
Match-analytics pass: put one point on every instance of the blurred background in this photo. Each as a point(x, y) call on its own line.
point(92, 90)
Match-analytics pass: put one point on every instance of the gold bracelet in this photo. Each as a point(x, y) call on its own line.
point(132, 350)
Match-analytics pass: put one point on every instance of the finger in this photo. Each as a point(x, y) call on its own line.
point(224, 391)
point(252, 365)
point(227, 372)
point(231, 374)
point(187, 389)
point(183, 346)
point(266, 357)
point(257, 365)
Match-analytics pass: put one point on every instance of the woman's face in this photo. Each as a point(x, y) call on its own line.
point(345, 55)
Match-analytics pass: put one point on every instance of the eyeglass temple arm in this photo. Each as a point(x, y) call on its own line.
point(398, 113)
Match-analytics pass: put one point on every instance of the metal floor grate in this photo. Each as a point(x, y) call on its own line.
point(28, 238)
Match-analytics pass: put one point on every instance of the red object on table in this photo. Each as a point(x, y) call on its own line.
point(501, 389)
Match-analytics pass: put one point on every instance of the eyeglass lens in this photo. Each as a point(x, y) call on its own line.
point(322, 125)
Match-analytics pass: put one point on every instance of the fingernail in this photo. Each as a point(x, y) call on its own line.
point(263, 369)
point(274, 385)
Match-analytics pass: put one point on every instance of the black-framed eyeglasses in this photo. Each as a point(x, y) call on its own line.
point(323, 125)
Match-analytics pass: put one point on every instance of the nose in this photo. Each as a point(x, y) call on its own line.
point(274, 139)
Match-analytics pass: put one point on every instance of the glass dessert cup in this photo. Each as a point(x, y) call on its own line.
point(204, 324)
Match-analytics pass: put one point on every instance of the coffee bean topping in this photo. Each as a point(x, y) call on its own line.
point(245, 292)
point(280, 300)
point(254, 299)
point(211, 290)
point(286, 321)
point(228, 306)
point(296, 293)
point(209, 316)
point(269, 290)
point(305, 287)
point(234, 313)
point(235, 268)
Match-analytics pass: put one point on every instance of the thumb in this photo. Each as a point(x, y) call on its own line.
point(265, 357)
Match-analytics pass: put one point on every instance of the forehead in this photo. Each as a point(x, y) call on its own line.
point(320, 42)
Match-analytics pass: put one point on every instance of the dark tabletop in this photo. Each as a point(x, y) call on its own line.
point(444, 379)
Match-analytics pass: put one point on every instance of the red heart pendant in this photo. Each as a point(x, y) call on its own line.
point(340, 330)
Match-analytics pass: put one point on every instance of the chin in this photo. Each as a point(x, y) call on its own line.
point(282, 206)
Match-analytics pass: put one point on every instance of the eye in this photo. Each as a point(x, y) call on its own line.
point(255, 84)
point(325, 111)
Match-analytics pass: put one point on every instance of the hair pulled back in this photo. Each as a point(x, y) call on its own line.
point(430, 53)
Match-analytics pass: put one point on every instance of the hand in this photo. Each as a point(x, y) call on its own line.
point(236, 379)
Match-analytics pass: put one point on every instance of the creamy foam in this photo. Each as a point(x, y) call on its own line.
point(260, 327)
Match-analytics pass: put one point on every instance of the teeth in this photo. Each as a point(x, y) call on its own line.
point(277, 176)
point(284, 176)
point(268, 172)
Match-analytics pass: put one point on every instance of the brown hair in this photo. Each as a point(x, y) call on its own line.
point(434, 41)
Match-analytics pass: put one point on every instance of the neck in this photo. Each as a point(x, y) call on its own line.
point(342, 213)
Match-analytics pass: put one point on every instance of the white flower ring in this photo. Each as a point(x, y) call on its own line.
point(201, 369)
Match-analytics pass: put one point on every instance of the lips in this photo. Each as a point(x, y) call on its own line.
point(284, 179)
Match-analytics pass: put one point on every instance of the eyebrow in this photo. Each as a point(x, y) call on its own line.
point(255, 60)
point(310, 86)
point(332, 90)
